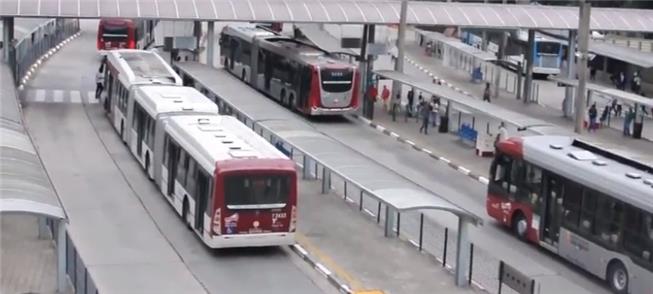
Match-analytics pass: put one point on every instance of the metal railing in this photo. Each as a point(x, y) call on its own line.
point(415, 227)
point(38, 42)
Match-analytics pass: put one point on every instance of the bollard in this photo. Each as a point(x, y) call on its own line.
point(360, 201)
point(446, 240)
point(378, 213)
point(421, 230)
point(345, 197)
point(398, 222)
point(471, 261)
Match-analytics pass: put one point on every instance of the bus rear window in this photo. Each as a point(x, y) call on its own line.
point(548, 48)
point(115, 33)
point(337, 80)
point(255, 192)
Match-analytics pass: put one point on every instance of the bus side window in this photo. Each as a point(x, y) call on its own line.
point(608, 226)
point(573, 196)
point(501, 171)
point(638, 234)
point(588, 211)
point(191, 173)
point(533, 184)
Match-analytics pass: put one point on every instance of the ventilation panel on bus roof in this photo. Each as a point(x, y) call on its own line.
point(582, 155)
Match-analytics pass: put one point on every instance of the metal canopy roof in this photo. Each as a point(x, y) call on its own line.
point(629, 55)
point(323, 39)
point(381, 182)
point(338, 11)
point(612, 92)
point(25, 187)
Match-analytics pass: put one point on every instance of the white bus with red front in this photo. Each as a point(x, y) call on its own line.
point(585, 203)
point(124, 34)
point(300, 76)
point(227, 183)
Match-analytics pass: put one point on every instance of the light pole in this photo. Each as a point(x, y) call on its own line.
point(583, 39)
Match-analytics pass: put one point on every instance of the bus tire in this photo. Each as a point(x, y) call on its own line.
point(519, 225)
point(282, 97)
point(617, 277)
point(291, 102)
point(184, 212)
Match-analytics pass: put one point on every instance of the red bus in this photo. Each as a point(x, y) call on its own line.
point(124, 34)
point(587, 204)
point(226, 182)
point(300, 76)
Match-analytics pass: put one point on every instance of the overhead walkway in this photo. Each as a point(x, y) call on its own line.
point(276, 123)
point(480, 15)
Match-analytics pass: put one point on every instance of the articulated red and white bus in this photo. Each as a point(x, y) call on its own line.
point(229, 184)
point(300, 76)
point(587, 204)
point(124, 34)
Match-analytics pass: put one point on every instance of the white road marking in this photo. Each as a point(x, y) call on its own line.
point(40, 95)
point(58, 96)
point(75, 97)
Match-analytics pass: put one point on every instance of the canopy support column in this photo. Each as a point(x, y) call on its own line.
point(401, 40)
point(210, 46)
point(567, 108)
point(389, 222)
point(462, 253)
point(61, 256)
point(583, 38)
point(528, 86)
point(7, 37)
point(197, 33)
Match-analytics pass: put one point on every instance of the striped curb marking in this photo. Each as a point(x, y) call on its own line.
point(42, 59)
point(459, 168)
point(325, 272)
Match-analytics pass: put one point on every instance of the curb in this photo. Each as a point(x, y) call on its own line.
point(325, 272)
point(42, 59)
point(457, 167)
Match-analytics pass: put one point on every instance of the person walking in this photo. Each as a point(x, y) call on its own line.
point(636, 83)
point(487, 93)
point(592, 115)
point(385, 96)
point(435, 107)
point(420, 104)
point(628, 119)
point(604, 114)
point(99, 82)
point(425, 110)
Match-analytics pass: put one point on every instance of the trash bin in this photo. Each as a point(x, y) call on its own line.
point(444, 124)
point(637, 130)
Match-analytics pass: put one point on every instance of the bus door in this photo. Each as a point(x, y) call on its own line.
point(552, 209)
point(173, 160)
point(202, 200)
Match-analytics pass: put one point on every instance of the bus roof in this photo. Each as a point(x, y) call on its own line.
point(158, 99)
point(282, 44)
point(142, 67)
point(594, 167)
point(211, 139)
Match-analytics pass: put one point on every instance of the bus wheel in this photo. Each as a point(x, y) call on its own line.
point(519, 225)
point(617, 277)
point(184, 212)
point(291, 102)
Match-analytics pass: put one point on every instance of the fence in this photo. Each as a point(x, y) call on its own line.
point(416, 227)
point(42, 39)
point(80, 279)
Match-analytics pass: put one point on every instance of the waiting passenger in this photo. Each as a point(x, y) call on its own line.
point(487, 93)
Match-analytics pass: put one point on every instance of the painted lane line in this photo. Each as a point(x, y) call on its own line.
point(322, 269)
point(445, 160)
point(410, 142)
point(58, 96)
point(427, 151)
point(484, 180)
point(75, 97)
point(300, 249)
point(463, 170)
point(40, 95)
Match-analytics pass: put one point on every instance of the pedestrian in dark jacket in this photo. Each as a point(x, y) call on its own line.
point(592, 114)
point(487, 93)
point(425, 110)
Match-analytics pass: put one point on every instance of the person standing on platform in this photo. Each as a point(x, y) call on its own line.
point(425, 111)
point(628, 119)
point(99, 82)
point(435, 106)
point(593, 113)
point(636, 83)
point(487, 93)
point(503, 133)
point(385, 96)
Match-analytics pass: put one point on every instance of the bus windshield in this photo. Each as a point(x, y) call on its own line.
point(337, 80)
point(256, 192)
point(548, 48)
point(113, 33)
